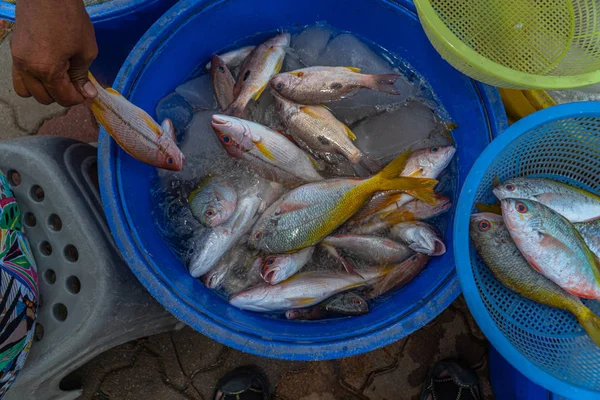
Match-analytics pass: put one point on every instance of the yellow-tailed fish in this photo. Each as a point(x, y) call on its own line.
point(309, 213)
point(135, 131)
point(222, 81)
point(213, 201)
point(234, 58)
point(263, 62)
point(318, 85)
point(552, 245)
point(419, 237)
point(303, 290)
point(270, 154)
point(372, 249)
point(318, 129)
point(423, 163)
point(498, 251)
point(278, 268)
point(414, 210)
point(576, 205)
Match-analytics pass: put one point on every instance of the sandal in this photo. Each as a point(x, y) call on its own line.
point(243, 383)
point(448, 380)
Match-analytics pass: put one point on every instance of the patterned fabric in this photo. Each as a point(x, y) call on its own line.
point(18, 290)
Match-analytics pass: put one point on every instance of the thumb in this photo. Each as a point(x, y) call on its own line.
point(78, 72)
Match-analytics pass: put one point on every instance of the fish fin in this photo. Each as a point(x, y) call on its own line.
point(377, 203)
point(299, 73)
point(353, 69)
point(264, 151)
point(384, 83)
point(260, 91)
point(169, 129)
point(491, 208)
point(590, 322)
point(349, 132)
point(302, 301)
point(348, 266)
point(325, 107)
point(310, 111)
point(237, 108)
point(288, 207)
point(396, 217)
point(496, 181)
point(419, 188)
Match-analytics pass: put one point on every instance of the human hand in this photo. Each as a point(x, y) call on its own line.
point(52, 47)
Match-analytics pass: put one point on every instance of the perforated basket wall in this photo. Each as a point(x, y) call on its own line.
point(567, 150)
point(548, 39)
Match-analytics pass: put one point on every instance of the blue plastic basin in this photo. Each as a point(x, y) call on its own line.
point(178, 43)
point(119, 24)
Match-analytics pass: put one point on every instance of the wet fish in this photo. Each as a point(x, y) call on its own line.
point(372, 249)
point(219, 240)
point(222, 81)
point(262, 63)
point(216, 277)
point(213, 202)
point(342, 304)
point(234, 58)
point(414, 210)
point(270, 154)
point(590, 232)
point(306, 215)
point(318, 129)
point(498, 251)
point(278, 268)
point(318, 85)
point(420, 237)
point(552, 245)
point(400, 275)
point(576, 205)
point(303, 290)
point(135, 131)
point(424, 163)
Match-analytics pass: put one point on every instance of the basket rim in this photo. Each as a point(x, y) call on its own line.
point(513, 78)
point(462, 256)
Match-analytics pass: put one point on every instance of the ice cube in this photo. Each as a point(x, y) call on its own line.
point(199, 93)
point(392, 132)
point(348, 51)
point(311, 43)
point(291, 63)
point(177, 109)
point(264, 111)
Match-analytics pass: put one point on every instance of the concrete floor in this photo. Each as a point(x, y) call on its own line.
point(186, 365)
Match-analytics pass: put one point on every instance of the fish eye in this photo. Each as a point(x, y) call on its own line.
point(510, 187)
point(522, 208)
point(270, 261)
point(357, 301)
point(226, 139)
point(280, 106)
point(258, 235)
point(435, 149)
point(279, 85)
point(221, 69)
point(484, 225)
point(170, 160)
point(209, 213)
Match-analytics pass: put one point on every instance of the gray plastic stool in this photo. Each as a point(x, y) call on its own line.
point(90, 300)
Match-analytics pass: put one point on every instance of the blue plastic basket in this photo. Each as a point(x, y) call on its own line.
point(545, 344)
point(183, 39)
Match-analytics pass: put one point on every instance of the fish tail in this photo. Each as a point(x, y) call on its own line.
point(383, 83)
point(237, 108)
point(419, 188)
point(590, 322)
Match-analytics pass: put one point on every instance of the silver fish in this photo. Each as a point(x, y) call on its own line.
point(219, 240)
point(278, 268)
point(234, 58)
point(372, 249)
point(590, 232)
point(420, 237)
point(339, 305)
point(318, 85)
point(270, 154)
point(262, 63)
point(213, 202)
point(215, 278)
point(222, 81)
point(400, 275)
point(318, 129)
point(576, 205)
point(303, 290)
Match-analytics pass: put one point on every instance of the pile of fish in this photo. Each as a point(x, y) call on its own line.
point(261, 238)
point(545, 245)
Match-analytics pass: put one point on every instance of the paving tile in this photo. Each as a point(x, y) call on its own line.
point(78, 123)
